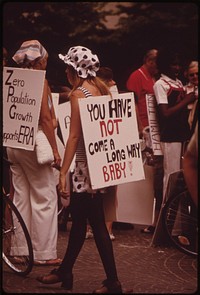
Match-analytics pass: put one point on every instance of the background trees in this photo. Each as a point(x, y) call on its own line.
point(137, 27)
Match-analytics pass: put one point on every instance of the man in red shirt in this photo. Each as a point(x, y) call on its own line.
point(141, 82)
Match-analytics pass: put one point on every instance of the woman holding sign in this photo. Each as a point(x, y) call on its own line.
point(86, 203)
point(35, 193)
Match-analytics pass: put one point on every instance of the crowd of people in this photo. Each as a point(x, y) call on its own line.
point(35, 191)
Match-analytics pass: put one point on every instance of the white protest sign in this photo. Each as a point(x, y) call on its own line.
point(136, 203)
point(55, 100)
point(22, 94)
point(153, 124)
point(114, 90)
point(64, 117)
point(111, 139)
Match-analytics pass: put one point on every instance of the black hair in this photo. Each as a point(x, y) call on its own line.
point(166, 58)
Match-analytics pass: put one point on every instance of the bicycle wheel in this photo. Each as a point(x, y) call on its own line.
point(180, 222)
point(17, 250)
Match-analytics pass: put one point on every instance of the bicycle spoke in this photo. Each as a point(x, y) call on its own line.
point(17, 248)
point(180, 222)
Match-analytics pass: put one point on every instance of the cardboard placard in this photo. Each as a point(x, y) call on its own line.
point(22, 95)
point(111, 139)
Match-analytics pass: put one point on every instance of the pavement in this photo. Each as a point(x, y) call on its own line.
point(142, 267)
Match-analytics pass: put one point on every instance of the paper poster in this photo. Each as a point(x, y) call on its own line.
point(153, 124)
point(136, 203)
point(64, 118)
point(55, 100)
point(111, 139)
point(135, 200)
point(22, 94)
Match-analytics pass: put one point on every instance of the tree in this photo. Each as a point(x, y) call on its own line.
point(141, 26)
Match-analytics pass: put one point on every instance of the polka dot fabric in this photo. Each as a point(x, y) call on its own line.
point(81, 179)
point(82, 60)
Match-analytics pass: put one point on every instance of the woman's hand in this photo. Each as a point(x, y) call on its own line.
point(57, 160)
point(62, 186)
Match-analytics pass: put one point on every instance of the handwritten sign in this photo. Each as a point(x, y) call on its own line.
point(64, 111)
point(153, 124)
point(55, 100)
point(111, 139)
point(22, 93)
point(136, 202)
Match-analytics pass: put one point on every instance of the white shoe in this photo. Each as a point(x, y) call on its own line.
point(89, 234)
point(112, 237)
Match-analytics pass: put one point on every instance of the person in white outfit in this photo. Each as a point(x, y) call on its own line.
point(35, 193)
point(172, 104)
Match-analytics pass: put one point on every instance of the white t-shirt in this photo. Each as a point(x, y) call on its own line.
point(162, 87)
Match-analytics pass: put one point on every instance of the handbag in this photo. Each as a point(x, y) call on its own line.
point(43, 148)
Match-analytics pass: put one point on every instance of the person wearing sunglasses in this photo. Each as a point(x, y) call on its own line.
point(191, 74)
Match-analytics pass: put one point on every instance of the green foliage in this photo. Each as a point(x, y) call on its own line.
point(54, 23)
point(141, 26)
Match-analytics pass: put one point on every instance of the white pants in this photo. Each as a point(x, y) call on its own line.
point(171, 160)
point(36, 199)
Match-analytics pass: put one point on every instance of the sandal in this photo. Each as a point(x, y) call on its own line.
point(51, 278)
point(18, 259)
point(55, 277)
point(148, 230)
point(48, 262)
point(109, 288)
point(184, 240)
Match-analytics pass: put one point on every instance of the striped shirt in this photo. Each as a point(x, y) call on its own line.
point(80, 152)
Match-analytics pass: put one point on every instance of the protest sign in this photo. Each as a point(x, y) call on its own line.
point(111, 139)
point(64, 111)
point(55, 100)
point(135, 200)
point(153, 124)
point(22, 94)
point(64, 118)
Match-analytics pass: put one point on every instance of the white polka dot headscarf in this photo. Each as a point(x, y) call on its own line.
point(29, 51)
point(82, 60)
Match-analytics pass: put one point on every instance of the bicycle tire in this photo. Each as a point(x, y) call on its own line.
point(14, 234)
point(180, 222)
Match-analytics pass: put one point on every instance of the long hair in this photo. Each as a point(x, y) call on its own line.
point(77, 81)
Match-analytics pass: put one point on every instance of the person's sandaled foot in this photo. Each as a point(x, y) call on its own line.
point(148, 230)
point(19, 259)
point(55, 277)
point(56, 261)
point(51, 278)
point(109, 288)
point(183, 240)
